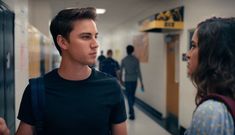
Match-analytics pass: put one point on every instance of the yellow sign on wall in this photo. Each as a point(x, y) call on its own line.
point(172, 19)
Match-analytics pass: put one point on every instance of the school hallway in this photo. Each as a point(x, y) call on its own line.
point(161, 31)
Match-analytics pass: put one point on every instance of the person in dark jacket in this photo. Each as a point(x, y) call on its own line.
point(110, 65)
point(101, 58)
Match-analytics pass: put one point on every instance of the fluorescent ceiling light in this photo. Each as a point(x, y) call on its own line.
point(100, 11)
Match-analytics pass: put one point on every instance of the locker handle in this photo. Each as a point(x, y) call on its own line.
point(8, 60)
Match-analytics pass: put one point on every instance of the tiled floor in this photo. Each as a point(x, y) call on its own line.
point(143, 125)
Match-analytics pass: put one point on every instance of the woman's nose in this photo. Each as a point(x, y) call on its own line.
point(188, 55)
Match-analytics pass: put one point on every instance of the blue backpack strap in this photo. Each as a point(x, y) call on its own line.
point(38, 102)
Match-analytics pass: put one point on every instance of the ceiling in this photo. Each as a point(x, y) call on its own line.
point(117, 11)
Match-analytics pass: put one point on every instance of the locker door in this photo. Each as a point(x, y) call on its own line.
point(1, 66)
point(9, 69)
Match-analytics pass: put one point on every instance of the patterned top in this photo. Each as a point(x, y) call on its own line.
point(211, 118)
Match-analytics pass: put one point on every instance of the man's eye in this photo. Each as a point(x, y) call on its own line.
point(86, 37)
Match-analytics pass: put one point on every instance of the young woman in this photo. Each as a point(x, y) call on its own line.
point(211, 67)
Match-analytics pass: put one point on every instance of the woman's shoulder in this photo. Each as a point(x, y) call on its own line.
point(211, 106)
point(212, 117)
point(213, 111)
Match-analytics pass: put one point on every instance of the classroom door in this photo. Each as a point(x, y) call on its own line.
point(172, 84)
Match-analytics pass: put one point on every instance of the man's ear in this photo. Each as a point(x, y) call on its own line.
point(62, 42)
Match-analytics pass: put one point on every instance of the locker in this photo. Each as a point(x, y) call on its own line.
point(1, 66)
point(7, 68)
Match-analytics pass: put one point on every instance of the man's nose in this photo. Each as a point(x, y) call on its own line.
point(94, 43)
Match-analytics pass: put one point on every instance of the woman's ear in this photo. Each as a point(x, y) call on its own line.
point(62, 42)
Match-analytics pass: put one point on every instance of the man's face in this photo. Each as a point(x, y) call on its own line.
point(82, 45)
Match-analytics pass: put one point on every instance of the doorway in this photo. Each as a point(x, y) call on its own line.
point(172, 43)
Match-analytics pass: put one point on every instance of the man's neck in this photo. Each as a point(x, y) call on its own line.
point(74, 72)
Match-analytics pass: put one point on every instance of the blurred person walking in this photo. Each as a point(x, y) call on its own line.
point(130, 64)
point(101, 58)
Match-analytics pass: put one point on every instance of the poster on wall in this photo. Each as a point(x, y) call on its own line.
point(117, 54)
point(141, 44)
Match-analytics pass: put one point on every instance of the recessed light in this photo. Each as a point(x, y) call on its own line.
point(100, 11)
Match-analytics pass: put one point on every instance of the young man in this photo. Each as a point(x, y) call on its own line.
point(131, 66)
point(79, 100)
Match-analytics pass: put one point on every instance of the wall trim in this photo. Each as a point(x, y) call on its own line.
point(148, 108)
point(156, 116)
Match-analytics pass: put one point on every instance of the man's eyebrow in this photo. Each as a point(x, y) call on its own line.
point(88, 33)
point(85, 33)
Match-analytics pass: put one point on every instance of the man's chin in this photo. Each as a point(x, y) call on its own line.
point(91, 63)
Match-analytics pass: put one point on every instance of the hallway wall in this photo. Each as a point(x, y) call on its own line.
point(154, 74)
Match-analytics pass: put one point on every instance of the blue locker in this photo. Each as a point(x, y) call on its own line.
point(7, 68)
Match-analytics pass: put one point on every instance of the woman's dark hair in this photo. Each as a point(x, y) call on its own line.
point(62, 23)
point(216, 58)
